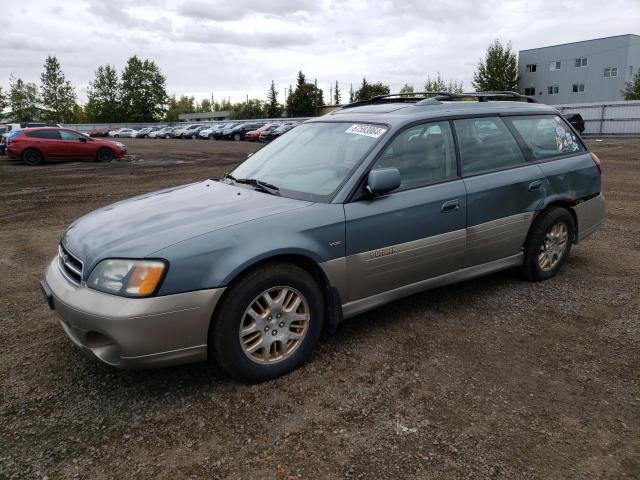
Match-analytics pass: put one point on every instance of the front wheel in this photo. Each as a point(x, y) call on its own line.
point(237, 137)
point(548, 244)
point(105, 155)
point(268, 323)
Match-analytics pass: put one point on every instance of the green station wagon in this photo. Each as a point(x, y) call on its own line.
point(376, 201)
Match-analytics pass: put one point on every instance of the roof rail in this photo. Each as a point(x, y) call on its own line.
point(425, 98)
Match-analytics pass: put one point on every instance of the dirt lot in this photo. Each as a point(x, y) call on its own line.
point(493, 378)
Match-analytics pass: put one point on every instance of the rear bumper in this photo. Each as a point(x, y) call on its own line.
point(132, 332)
point(590, 215)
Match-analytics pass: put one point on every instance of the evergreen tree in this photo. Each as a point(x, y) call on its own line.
point(498, 70)
point(4, 102)
point(58, 95)
point(336, 95)
point(78, 114)
point(103, 94)
point(301, 79)
point(369, 90)
point(632, 88)
point(143, 91)
point(273, 108)
point(24, 100)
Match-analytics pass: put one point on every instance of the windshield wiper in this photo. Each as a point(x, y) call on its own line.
point(258, 184)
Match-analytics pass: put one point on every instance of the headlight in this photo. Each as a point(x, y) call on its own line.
point(129, 278)
point(121, 145)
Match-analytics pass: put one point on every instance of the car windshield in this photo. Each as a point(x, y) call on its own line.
point(313, 159)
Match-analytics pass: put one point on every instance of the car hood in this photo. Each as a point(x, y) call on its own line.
point(140, 226)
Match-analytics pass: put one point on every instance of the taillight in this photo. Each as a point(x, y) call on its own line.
point(597, 161)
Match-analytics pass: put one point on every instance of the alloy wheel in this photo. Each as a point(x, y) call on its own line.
point(274, 325)
point(553, 246)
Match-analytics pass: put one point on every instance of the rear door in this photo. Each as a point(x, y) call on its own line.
point(416, 232)
point(47, 142)
point(503, 189)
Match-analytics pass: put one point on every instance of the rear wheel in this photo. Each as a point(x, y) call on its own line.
point(268, 323)
point(31, 157)
point(237, 137)
point(105, 155)
point(548, 244)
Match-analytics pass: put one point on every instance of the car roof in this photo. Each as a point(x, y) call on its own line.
point(401, 113)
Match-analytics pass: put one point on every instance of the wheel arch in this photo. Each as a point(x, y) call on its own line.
point(35, 149)
point(567, 204)
point(332, 301)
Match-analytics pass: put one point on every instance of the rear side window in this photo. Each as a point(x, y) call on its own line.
point(547, 136)
point(49, 134)
point(67, 135)
point(486, 144)
point(423, 154)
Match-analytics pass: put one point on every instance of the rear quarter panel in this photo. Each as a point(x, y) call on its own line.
point(571, 178)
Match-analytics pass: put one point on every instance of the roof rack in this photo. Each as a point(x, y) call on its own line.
point(427, 98)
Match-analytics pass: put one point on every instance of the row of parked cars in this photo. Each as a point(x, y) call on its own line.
point(253, 131)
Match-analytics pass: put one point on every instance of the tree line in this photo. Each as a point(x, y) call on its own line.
point(139, 94)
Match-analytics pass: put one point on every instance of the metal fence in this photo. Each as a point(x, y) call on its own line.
point(607, 118)
point(87, 127)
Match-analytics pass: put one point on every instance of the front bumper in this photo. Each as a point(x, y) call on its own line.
point(132, 332)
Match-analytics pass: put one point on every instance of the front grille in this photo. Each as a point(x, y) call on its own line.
point(70, 265)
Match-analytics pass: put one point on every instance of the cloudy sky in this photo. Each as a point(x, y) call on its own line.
point(236, 47)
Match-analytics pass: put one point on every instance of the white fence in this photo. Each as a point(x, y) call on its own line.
point(87, 127)
point(607, 118)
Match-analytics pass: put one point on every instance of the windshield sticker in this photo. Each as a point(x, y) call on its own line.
point(366, 130)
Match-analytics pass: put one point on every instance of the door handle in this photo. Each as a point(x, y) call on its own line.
point(450, 206)
point(535, 186)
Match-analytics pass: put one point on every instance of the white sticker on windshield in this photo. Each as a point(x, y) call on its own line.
point(366, 130)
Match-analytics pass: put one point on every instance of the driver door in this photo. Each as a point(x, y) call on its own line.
point(74, 145)
point(416, 232)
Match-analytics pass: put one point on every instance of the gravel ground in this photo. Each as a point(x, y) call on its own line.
point(492, 378)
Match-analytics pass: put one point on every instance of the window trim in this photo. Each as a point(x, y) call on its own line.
point(557, 88)
point(534, 65)
point(555, 63)
point(586, 63)
point(611, 69)
point(578, 90)
point(530, 94)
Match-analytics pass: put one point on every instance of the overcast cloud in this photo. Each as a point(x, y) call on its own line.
point(236, 47)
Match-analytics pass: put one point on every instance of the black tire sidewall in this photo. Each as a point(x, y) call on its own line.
point(538, 231)
point(26, 153)
point(224, 338)
point(105, 149)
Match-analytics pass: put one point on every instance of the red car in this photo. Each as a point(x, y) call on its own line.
point(253, 135)
point(34, 145)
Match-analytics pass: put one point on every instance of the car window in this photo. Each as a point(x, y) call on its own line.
point(486, 144)
point(547, 136)
point(67, 135)
point(423, 154)
point(49, 134)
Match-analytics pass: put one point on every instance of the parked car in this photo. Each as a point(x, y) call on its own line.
point(208, 132)
point(224, 130)
point(371, 203)
point(35, 145)
point(162, 132)
point(269, 135)
point(253, 135)
point(193, 133)
point(146, 131)
point(123, 132)
point(576, 121)
point(100, 132)
point(186, 130)
point(238, 132)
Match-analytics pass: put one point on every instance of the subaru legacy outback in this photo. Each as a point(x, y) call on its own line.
point(376, 201)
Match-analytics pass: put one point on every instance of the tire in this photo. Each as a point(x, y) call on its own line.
point(237, 137)
point(167, 137)
point(271, 359)
point(31, 157)
point(105, 155)
point(116, 136)
point(548, 244)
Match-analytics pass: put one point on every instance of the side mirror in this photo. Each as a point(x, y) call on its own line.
point(383, 180)
point(83, 139)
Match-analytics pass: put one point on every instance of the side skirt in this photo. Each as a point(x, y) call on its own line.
point(356, 307)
